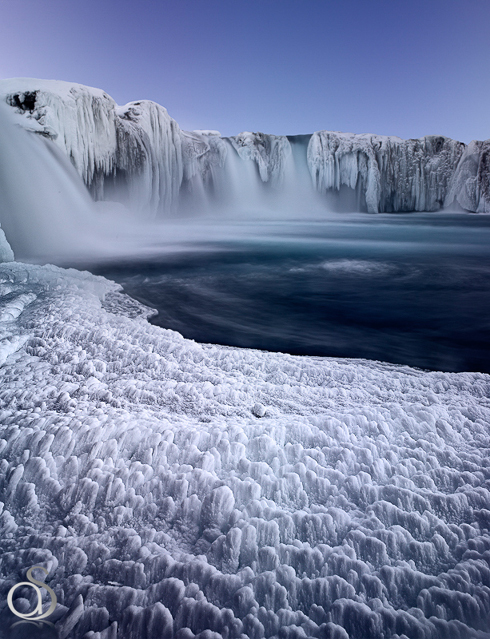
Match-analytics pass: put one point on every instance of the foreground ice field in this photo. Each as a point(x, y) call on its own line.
point(175, 489)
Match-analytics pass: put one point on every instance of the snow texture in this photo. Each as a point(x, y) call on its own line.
point(140, 149)
point(176, 489)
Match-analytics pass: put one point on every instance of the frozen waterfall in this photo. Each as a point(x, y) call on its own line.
point(182, 490)
point(45, 210)
point(138, 155)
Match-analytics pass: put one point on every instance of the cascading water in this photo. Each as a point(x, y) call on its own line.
point(45, 210)
point(138, 157)
point(48, 215)
point(176, 488)
point(254, 176)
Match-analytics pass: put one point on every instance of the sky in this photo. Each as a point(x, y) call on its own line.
point(392, 67)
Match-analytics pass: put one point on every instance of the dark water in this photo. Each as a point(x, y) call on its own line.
point(409, 289)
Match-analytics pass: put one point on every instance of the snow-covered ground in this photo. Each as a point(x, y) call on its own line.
point(176, 489)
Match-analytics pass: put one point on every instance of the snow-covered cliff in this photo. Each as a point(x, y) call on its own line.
point(139, 153)
point(138, 146)
point(470, 184)
point(81, 120)
point(393, 174)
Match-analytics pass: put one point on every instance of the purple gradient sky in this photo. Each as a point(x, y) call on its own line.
point(393, 67)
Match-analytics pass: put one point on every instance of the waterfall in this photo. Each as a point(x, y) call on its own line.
point(253, 175)
point(137, 156)
point(45, 209)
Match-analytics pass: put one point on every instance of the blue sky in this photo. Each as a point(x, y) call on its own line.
point(406, 68)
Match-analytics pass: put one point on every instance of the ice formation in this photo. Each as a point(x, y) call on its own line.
point(45, 209)
point(393, 174)
point(269, 152)
point(149, 153)
point(470, 185)
point(6, 253)
point(139, 152)
point(81, 120)
point(138, 146)
point(181, 490)
point(176, 489)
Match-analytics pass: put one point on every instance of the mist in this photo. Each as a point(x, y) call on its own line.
point(48, 214)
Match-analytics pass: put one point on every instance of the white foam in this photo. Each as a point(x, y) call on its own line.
point(357, 267)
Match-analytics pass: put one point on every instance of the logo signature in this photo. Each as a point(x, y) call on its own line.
point(37, 613)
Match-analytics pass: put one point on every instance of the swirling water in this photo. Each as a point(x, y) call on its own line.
point(408, 289)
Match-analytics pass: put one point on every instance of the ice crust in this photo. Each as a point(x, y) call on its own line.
point(140, 148)
point(176, 489)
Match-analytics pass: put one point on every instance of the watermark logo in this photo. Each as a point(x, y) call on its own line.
point(37, 613)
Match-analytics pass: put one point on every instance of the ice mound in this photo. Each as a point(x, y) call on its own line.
point(176, 489)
